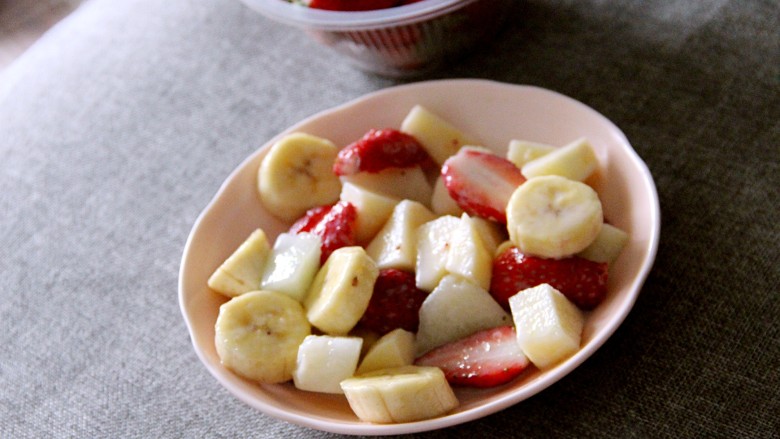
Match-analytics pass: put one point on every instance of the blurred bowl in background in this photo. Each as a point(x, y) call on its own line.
point(400, 41)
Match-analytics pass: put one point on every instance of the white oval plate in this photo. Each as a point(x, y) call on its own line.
point(493, 112)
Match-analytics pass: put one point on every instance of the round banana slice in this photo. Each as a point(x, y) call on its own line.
point(297, 174)
point(258, 334)
point(553, 217)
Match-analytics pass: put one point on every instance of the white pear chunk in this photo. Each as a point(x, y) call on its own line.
point(325, 361)
point(492, 233)
point(241, 272)
point(575, 161)
point(340, 292)
point(521, 152)
point(607, 246)
point(468, 256)
point(433, 246)
point(455, 309)
point(441, 201)
point(439, 137)
point(373, 210)
point(548, 325)
point(292, 264)
point(402, 183)
point(395, 245)
point(394, 349)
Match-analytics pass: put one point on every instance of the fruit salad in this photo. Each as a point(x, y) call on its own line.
point(416, 262)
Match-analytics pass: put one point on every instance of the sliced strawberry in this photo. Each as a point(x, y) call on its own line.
point(335, 225)
point(582, 281)
point(395, 302)
point(485, 359)
point(352, 5)
point(381, 149)
point(481, 182)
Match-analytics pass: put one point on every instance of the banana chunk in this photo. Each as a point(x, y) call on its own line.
point(553, 217)
point(297, 174)
point(258, 334)
point(402, 394)
point(240, 273)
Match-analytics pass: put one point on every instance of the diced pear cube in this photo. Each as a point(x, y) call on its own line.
point(433, 246)
point(439, 137)
point(575, 161)
point(396, 348)
point(402, 183)
point(468, 257)
point(325, 361)
point(441, 201)
point(455, 309)
point(492, 233)
point(241, 272)
point(340, 293)
point(395, 246)
point(521, 152)
point(373, 210)
point(607, 246)
point(292, 264)
point(548, 325)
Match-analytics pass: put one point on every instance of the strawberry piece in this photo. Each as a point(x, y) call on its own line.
point(334, 224)
point(582, 281)
point(352, 5)
point(484, 359)
point(395, 302)
point(481, 182)
point(381, 149)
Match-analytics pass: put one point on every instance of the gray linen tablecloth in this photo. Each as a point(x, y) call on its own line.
point(118, 127)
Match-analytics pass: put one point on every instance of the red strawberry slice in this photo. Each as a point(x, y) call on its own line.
point(395, 302)
point(335, 225)
point(381, 149)
point(582, 281)
point(485, 359)
point(481, 182)
point(352, 5)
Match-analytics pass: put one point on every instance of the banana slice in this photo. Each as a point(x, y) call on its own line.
point(553, 217)
point(240, 273)
point(297, 174)
point(402, 394)
point(258, 334)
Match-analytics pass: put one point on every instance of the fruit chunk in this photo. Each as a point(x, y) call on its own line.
point(481, 182)
point(402, 183)
point(324, 361)
point(373, 210)
point(455, 309)
point(582, 281)
point(296, 175)
point(484, 359)
point(441, 201)
point(352, 5)
point(395, 302)
point(575, 161)
point(548, 325)
point(607, 246)
point(240, 273)
point(433, 245)
point(468, 256)
point(257, 335)
point(521, 152)
point(395, 245)
point(339, 295)
point(381, 149)
point(394, 349)
point(553, 217)
point(292, 264)
point(334, 225)
point(440, 138)
point(402, 394)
